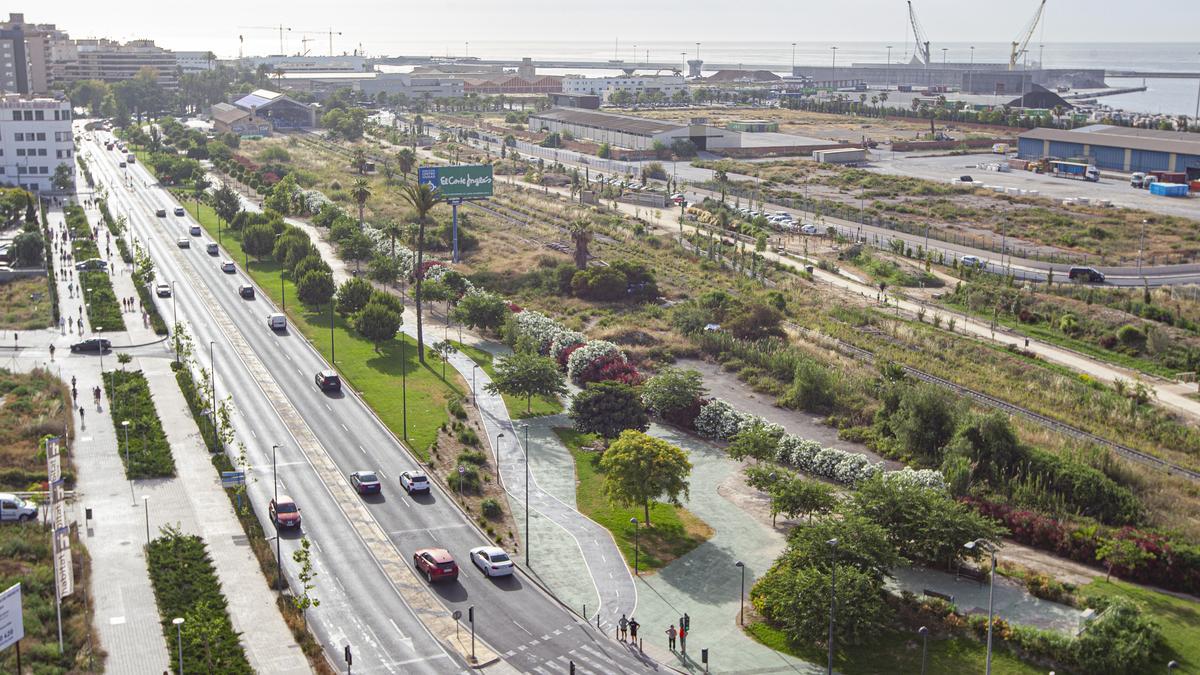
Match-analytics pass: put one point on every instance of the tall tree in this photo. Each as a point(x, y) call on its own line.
point(360, 192)
point(377, 322)
point(639, 469)
point(608, 408)
point(528, 375)
point(393, 230)
point(226, 203)
point(405, 161)
point(422, 198)
point(581, 235)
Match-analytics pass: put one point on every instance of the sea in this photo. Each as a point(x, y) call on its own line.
point(1172, 96)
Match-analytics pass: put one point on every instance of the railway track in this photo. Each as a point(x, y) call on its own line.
point(1125, 451)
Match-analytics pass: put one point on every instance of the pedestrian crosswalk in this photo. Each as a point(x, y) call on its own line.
point(586, 657)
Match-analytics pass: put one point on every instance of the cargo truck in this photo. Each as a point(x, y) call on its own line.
point(1077, 170)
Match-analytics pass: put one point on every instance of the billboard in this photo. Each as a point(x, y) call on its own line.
point(12, 627)
point(468, 181)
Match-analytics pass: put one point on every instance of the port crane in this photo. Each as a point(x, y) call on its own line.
point(919, 34)
point(1022, 42)
point(281, 28)
point(328, 33)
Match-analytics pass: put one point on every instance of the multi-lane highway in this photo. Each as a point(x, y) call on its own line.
point(363, 546)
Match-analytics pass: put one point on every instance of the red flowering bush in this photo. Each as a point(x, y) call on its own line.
point(565, 354)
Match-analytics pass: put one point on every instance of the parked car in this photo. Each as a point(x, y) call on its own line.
point(284, 512)
point(1086, 274)
point(971, 261)
point(211, 248)
point(492, 561)
point(179, 211)
point(328, 380)
point(228, 267)
point(194, 230)
point(92, 264)
point(161, 213)
point(414, 481)
point(246, 291)
point(436, 564)
point(808, 229)
point(183, 242)
point(15, 509)
point(365, 482)
point(91, 345)
point(162, 290)
point(276, 321)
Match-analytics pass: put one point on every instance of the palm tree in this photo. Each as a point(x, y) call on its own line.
point(358, 159)
point(581, 235)
point(392, 230)
point(360, 192)
point(422, 198)
point(405, 160)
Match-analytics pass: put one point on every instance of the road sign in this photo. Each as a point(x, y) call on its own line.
point(232, 479)
point(468, 181)
point(12, 625)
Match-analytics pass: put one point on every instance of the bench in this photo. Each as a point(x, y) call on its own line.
point(941, 596)
point(971, 573)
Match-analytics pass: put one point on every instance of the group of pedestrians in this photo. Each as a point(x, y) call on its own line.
point(627, 629)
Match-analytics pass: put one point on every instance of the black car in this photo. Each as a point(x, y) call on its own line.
point(92, 264)
point(1088, 274)
point(328, 380)
point(97, 345)
point(246, 291)
point(161, 213)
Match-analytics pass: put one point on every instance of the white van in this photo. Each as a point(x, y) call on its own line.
point(276, 321)
point(13, 508)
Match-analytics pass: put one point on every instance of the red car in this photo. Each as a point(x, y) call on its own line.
point(284, 512)
point(436, 564)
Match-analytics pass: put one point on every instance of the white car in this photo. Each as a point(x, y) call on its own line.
point(492, 561)
point(228, 267)
point(809, 229)
point(162, 290)
point(414, 481)
point(971, 261)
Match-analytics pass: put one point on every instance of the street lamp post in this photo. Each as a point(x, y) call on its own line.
point(404, 386)
point(528, 534)
point(793, 59)
point(498, 437)
point(634, 521)
point(146, 503)
point(278, 546)
point(833, 544)
point(924, 633)
point(833, 70)
point(991, 549)
point(174, 320)
point(212, 377)
point(742, 595)
point(889, 68)
point(332, 344)
point(474, 395)
point(178, 621)
point(128, 472)
point(944, 50)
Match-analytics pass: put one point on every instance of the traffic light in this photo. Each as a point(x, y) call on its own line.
point(349, 656)
point(704, 656)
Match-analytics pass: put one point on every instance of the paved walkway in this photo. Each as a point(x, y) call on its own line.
point(126, 613)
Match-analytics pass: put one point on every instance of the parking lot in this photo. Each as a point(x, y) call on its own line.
point(1116, 190)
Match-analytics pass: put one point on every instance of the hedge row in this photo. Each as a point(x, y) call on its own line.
point(52, 280)
point(156, 320)
point(102, 308)
point(185, 585)
point(146, 443)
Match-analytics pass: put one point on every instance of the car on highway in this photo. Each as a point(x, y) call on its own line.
point(414, 481)
point(92, 264)
point(246, 291)
point(1086, 274)
point(161, 213)
point(15, 509)
point(162, 290)
point(492, 561)
point(122, 165)
point(211, 248)
point(366, 482)
point(194, 230)
point(97, 345)
point(183, 242)
point(808, 229)
point(276, 321)
point(179, 211)
point(284, 512)
point(328, 380)
point(228, 267)
point(436, 564)
point(971, 261)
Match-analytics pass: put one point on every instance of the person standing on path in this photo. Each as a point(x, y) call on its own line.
point(633, 626)
point(622, 626)
point(682, 639)
point(82, 425)
point(671, 637)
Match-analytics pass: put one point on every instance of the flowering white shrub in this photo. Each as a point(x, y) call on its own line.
point(588, 354)
point(539, 328)
point(847, 467)
point(719, 420)
point(796, 451)
point(565, 340)
point(383, 246)
point(930, 479)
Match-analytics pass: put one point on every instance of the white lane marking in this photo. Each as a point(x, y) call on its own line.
point(522, 627)
point(286, 356)
point(253, 434)
point(420, 659)
point(364, 450)
point(402, 635)
point(299, 371)
point(329, 409)
point(344, 428)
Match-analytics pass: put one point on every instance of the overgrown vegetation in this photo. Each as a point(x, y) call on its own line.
point(32, 405)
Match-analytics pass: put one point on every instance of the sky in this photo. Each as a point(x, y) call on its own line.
point(424, 27)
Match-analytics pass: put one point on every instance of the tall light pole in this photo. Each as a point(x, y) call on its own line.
point(833, 544)
point(742, 595)
point(278, 546)
point(1141, 240)
point(528, 534)
point(498, 437)
point(793, 59)
point(212, 377)
point(128, 469)
point(990, 548)
point(924, 633)
point(889, 68)
point(404, 385)
point(474, 395)
point(1196, 117)
point(634, 521)
point(833, 71)
point(178, 621)
point(944, 50)
point(332, 344)
point(146, 503)
point(174, 321)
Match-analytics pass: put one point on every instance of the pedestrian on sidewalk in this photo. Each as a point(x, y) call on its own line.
point(82, 425)
point(622, 628)
point(671, 633)
point(80, 324)
point(51, 352)
point(682, 639)
point(633, 626)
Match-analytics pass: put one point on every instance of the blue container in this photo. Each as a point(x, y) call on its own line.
point(1169, 189)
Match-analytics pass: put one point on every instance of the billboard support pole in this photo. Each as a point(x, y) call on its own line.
point(454, 219)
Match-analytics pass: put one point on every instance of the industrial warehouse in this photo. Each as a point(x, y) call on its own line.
point(1116, 148)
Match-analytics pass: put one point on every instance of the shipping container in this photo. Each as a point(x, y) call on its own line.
point(1169, 189)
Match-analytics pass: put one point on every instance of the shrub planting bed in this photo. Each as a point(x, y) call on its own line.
point(145, 443)
point(102, 308)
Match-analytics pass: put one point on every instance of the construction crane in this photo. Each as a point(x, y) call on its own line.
point(329, 32)
point(1018, 46)
point(919, 34)
point(281, 28)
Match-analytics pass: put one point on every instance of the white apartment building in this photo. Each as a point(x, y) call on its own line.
point(35, 138)
point(634, 84)
point(195, 62)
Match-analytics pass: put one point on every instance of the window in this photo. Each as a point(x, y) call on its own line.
point(18, 136)
point(16, 115)
point(41, 136)
point(39, 115)
point(20, 169)
point(20, 152)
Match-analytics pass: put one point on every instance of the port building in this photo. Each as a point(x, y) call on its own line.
point(1114, 147)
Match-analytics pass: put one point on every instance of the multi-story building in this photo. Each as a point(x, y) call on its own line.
point(604, 87)
point(45, 47)
point(35, 138)
point(195, 62)
point(111, 61)
point(14, 66)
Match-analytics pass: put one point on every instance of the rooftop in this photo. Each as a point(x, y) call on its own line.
point(637, 126)
point(1125, 137)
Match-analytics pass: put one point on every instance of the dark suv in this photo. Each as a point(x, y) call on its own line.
point(1088, 274)
point(328, 380)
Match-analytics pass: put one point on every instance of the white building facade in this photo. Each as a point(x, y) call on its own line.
point(604, 87)
point(195, 62)
point(35, 138)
